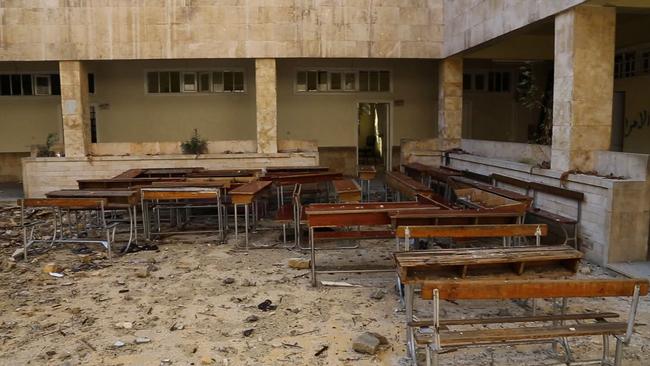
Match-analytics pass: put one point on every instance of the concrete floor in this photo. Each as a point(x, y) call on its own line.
point(10, 192)
point(632, 269)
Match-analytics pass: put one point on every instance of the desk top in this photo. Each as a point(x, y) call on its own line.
point(251, 188)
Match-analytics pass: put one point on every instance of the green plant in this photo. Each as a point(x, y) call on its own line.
point(532, 98)
point(195, 145)
point(46, 150)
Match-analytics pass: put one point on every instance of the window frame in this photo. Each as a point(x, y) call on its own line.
point(197, 72)
point(345, 73)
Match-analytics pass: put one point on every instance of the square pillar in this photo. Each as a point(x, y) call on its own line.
point(583, 86)
point(266, 103)
point(450, 102)
point(74, 108)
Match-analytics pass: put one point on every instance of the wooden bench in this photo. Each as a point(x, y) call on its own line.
point(347, 190)
point(560, 220)
point(58, 207)
point(437, 336)
point(471, 231)
point(405, 185)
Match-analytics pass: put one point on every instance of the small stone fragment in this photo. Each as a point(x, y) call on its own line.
point(119, 344)
point(252, 318)
point(377, 294)
point(367, 343)
point(142, 273)
point(124, 325)
point(165, 362)
point(299, 263)
point(52, 268)
point(228, 281)
point(207, 360)
point(18, 254)
point(248, 332)
point(142, 340)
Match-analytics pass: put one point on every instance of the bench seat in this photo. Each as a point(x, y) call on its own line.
point(508, 335)
point(552, 216)
point(354, 235)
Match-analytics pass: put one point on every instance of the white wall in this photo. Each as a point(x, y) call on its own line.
point(331, 118)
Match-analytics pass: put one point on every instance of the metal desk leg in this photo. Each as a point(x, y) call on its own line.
point(246, 224)
point(313, 256)
point(236, 228)
point(410, 339)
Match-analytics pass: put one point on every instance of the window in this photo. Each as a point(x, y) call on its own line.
point(42, 85)
point(189, 82)
point(204, 82)
point(498, 81)
point(624, 64)
point(645, 61)
point(336, 81)
point(91, 83)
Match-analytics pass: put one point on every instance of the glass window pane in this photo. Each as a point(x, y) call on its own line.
point(5, 85)
point(335, 81)
point(301, 81)
point(497, 82)
point(55, 84)
point(27, 84)
point(175, 81)
point(312, 80)
point(239, 81)
point(152, 82)
point(42, 84)
point(204, 82)
point(505, 83)
point(491, 81)
point(164, 82)
point(217, 81)
point(228, 81)
point(350, 81)
point(16, 88)
point(363, 80)
point(479, 82)
point(91, 83)
point(384, 81)
point(322, 80)
point(374, 81)
point(189, 82)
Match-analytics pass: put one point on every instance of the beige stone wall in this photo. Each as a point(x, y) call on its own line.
point(10, 167)
point(41, 175)
point(126, 113)
point(27, 120)
point(165, 29)
point(469, 23)
point(331, 118)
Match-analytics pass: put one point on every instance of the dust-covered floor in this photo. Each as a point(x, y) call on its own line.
point(196, 303)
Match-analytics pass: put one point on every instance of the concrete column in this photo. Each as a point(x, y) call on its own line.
point(74, 108)
point(266, 102)
point(583, 86)
point(450, 102)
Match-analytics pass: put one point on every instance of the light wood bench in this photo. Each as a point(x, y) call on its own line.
point(347, 190)
point(437, 336)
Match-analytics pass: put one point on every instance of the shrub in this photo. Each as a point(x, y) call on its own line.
point(195, 145)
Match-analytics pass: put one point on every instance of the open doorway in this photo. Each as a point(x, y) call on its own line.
point(374, 140)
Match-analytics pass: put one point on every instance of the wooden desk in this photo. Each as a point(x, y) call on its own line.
point(403, 184)
point(119, 183)
point(115, 200)
point(366, 174)
point(247, 194)
point(295, 169)
point(347, 190)
point(460, 182)
point(176, 198)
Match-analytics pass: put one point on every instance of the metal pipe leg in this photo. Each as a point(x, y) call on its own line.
point(234, 206)
point(618, 358)
point(284, 234)
point(410, 341)
point(246, 225)
point(605, 359)
point(313, 256)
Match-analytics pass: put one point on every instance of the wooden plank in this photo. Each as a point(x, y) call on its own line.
point(557, 191)
point(511, 181)
point(251, 188)
point(462, 181)
point(502, 335)
point(516, 319)
point(352, 214)
point(302, 178)
point(528, 289)
point(471, 231)
point(178, 194)
point(113, 197)
point(354, 235)
point(64, 202)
